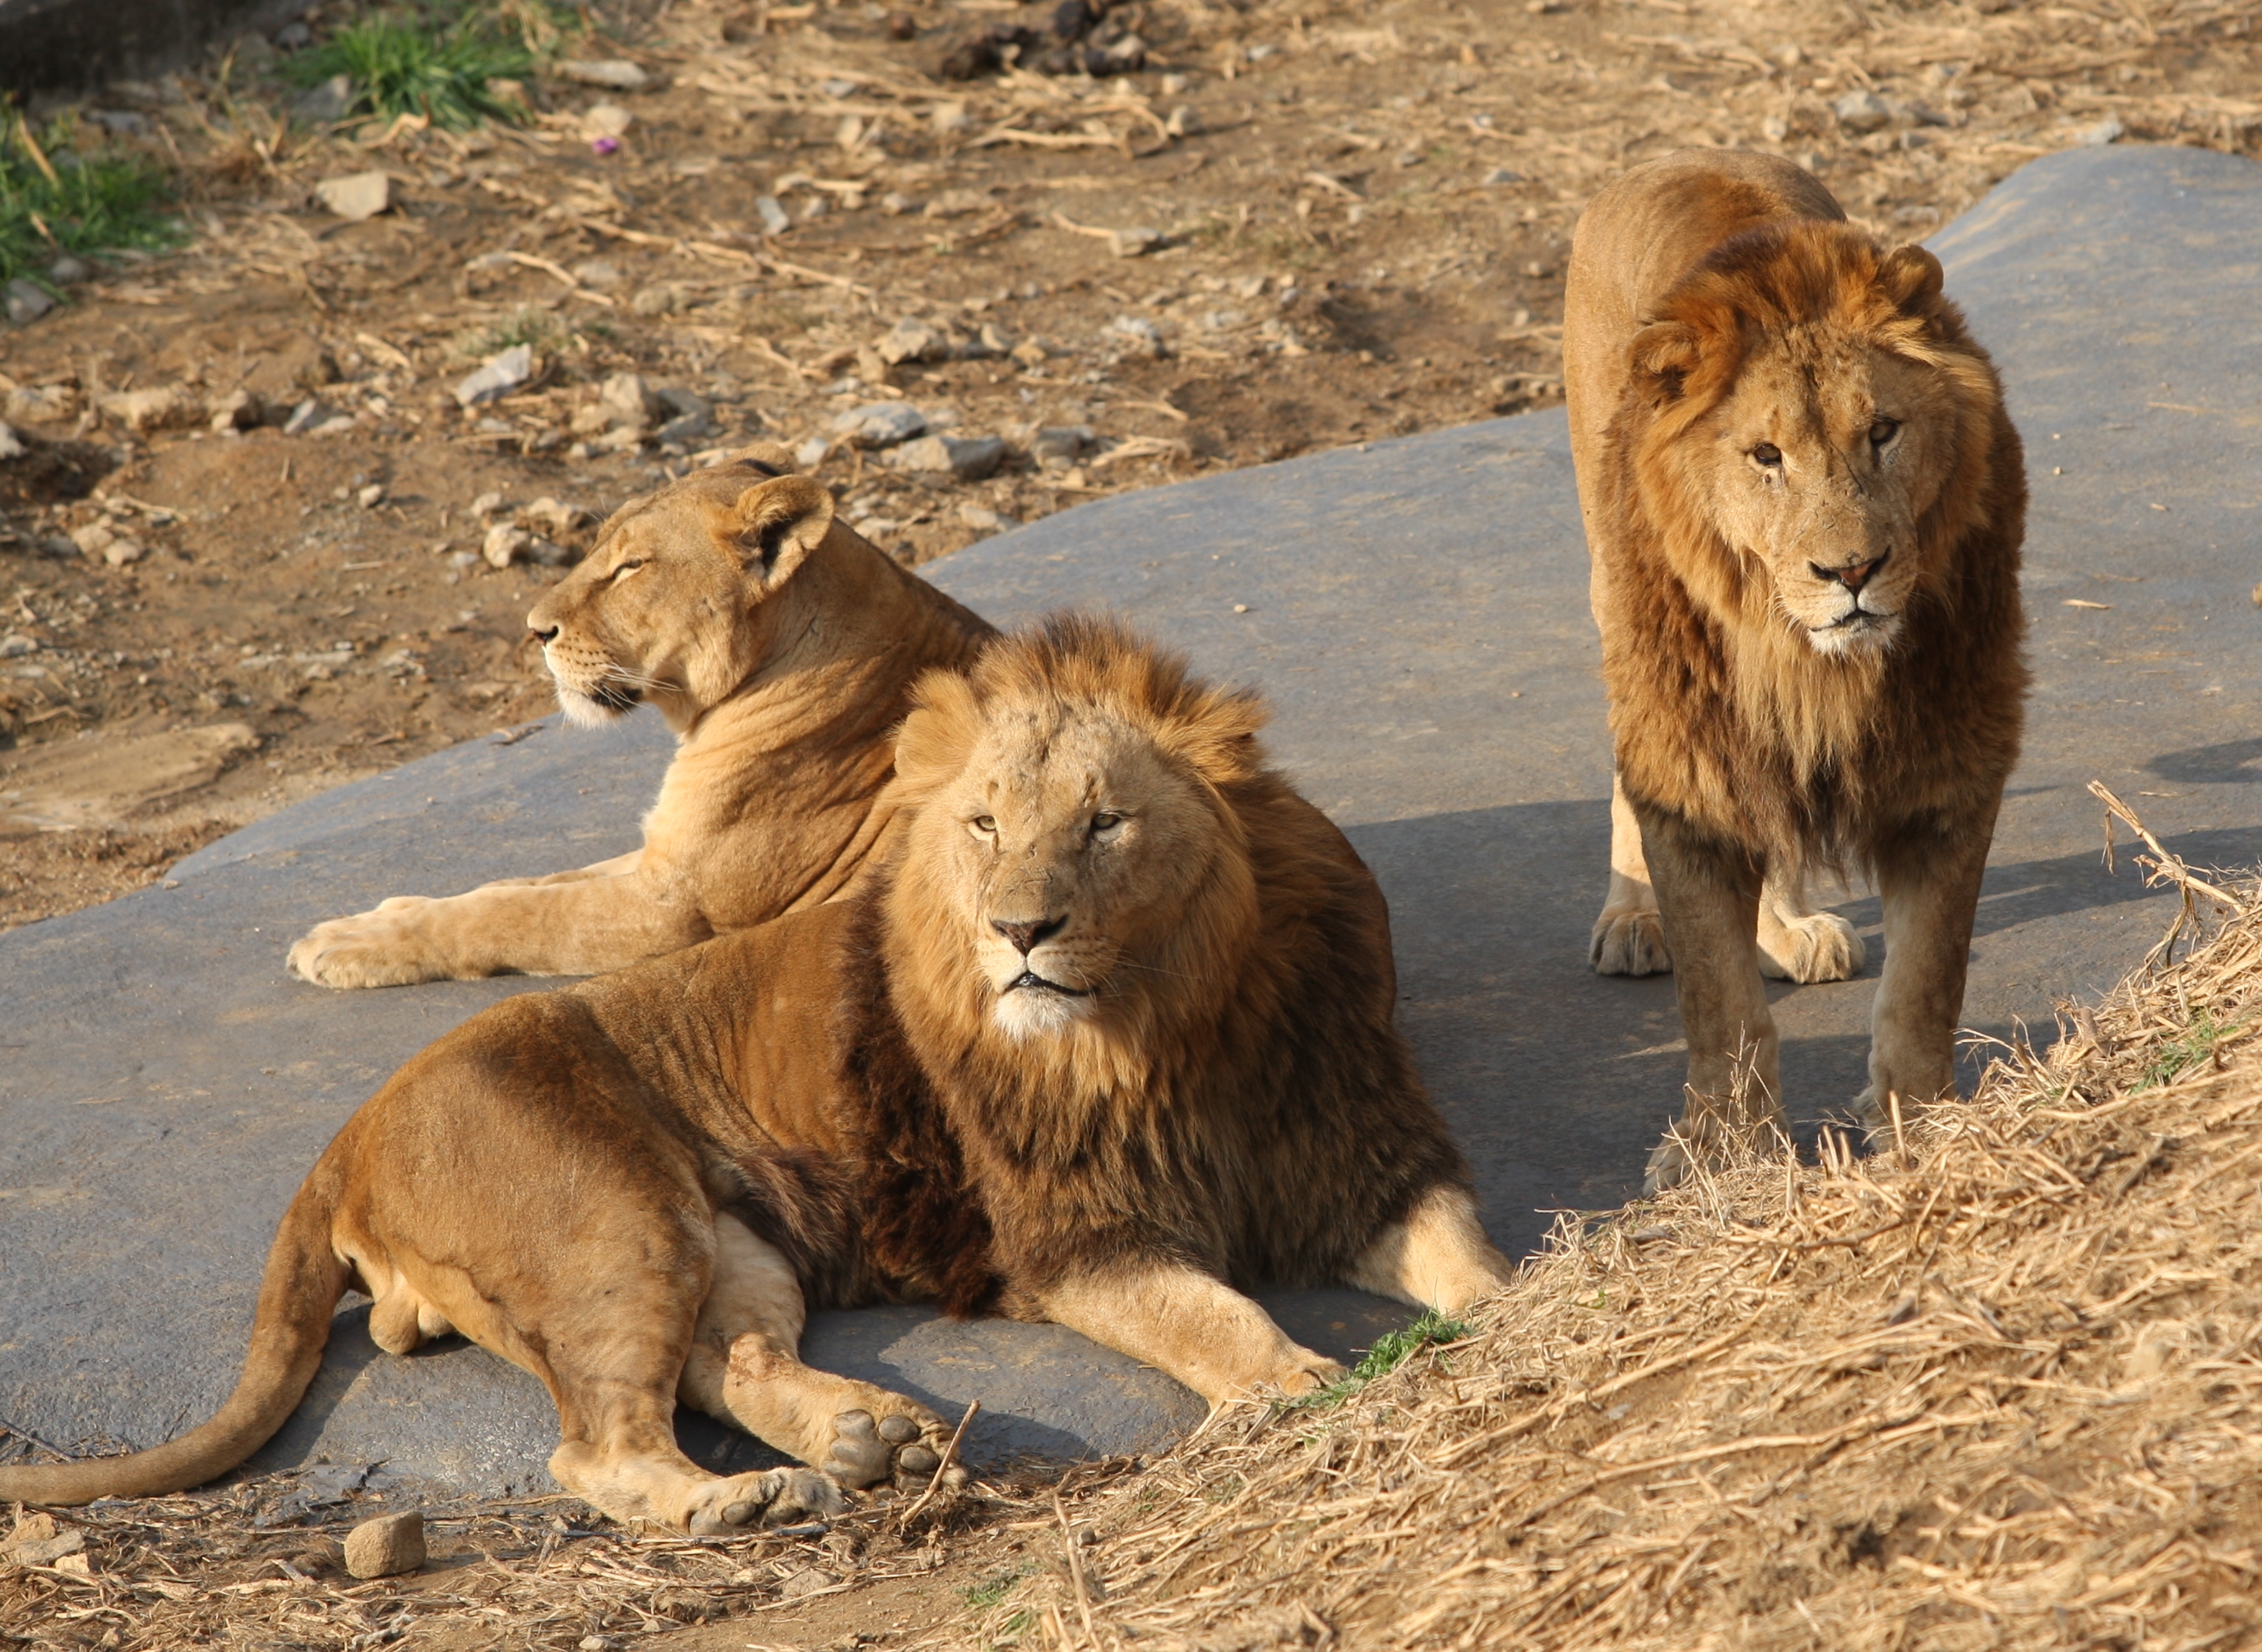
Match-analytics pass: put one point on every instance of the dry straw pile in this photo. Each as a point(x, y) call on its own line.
point(2000, 1387)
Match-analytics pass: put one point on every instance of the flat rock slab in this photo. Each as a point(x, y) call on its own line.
point(1417, 613)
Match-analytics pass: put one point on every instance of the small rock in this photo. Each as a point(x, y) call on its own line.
point(305, 417)
point(68, 271)
point(28, 301)
point(1861, 110)
point(486, 504)
point(370, 496)
point(159, 408)
point(981, 519)
point(967, 458)
point(661, 298)
point(1060, 442)
point(123, 549)
point(11, 445)
point(808, 1581)
point(292, 37)
point(92, 537)
point(238, 409)
point(339, 424)
point(385, 1546)
point(1775, 129)
point(1143, 336)
point(598, 275)
point(497, 377)
point(615, 73)
point(606, 121)
point(15, 645)
point(1502, 174)
point(1126, 54)
point(506, 543)
point(1184, 121)
point(896, 204)
point(327, 104)
point(556, 517)
point(2107, 131)
point(40, 404)
point(684, 428)
point(51, 1551)
point(776, 220)
point(913, 340)
point(881, 423)
point(628, 398)
point(810, 454)
point(1135, 244)
point(357, 196)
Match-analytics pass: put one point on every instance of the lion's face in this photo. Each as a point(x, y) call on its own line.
point(1816, 440)
point(670, 605)
point(1085, 861)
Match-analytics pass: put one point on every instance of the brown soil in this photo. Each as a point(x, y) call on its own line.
point(1363, 212)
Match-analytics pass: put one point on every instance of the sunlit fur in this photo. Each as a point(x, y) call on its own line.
point(1234, 951)
point(1737, 696)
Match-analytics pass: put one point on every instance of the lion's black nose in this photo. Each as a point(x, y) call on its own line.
point(1026, 938)
point(543, 634)
point(1853, 577)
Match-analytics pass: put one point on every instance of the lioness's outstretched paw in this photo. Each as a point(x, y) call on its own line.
point(1670, 1164)
point(370, 949)
point(1873, 1119)
point(1818, 947)
point(1629, 940)
point(1306, 1372)
point(775, 1497)
point(904, 1447)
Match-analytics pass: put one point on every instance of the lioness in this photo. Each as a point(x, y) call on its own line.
point(1804, 504)
point(781, 646)
point(1108, 1039)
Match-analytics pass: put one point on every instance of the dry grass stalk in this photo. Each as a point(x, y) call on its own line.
point(1999, 1387)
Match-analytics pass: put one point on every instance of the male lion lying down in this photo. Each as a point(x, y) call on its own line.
point(1806, 502)
point(782, 647)
point(1107, 1042)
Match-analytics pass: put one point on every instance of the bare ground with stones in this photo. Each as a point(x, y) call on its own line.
point(1290, 228)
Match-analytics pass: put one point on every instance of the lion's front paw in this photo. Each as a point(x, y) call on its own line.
point(902, 1447)
point(1629, 940)
point(1304, 1372)
point(775, 1497)
point(1817, 947)
point(371, 949)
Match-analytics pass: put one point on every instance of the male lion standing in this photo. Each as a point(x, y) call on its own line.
point(1804, 504)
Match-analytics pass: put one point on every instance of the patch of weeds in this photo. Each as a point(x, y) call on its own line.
point(538, 328)
point(435, 60)
point(1010, 1633)
point(57, 198)
point(2180, 1055)
point(992, 1589)
point(1390, 1351)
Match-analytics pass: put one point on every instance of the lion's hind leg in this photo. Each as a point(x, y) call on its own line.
point(1629, 937)
point(745, 1369)
point(1438, 1258)
point(1797, 943)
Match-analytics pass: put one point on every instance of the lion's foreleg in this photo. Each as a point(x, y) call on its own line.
point(1709, 892)
point(1628, 938)
point(581, 926)
point(1796, 942)
point(745, 1369)
point(1438, 1258)
point(1194, 1327)
point(1929, 888)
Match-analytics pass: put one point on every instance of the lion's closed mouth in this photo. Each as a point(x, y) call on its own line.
point(615, 696)
point(1029, 979)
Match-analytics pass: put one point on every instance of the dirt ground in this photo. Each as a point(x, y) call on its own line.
point(1292, 227)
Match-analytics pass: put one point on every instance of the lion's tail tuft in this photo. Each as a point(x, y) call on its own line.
point(296, 1297)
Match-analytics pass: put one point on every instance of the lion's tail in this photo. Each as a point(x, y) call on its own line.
point(296, 1297)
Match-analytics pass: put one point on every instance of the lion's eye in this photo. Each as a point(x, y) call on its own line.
point(1105, 822)
point(1769, 454)
point(1884, 431)
point(628, 567)
point(983, 826)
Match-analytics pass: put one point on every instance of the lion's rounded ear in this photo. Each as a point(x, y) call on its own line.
point(774, 524)
point(1217, 735)
point(933, 741)
point(1910, 276)
point(1661, 357)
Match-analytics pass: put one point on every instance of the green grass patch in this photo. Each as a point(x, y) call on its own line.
point(2178, 1056)
point(1390, 1351)
point(993, 1589)
point(434, 61)
point(56, 197)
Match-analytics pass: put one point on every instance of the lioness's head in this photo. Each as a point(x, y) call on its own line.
point(670, 606)
point(1822, 414)
point(1076, 827)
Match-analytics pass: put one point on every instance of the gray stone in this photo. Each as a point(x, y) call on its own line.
point(68, 271)
point(661, 298)
point(1861, 111)
point(357, 196)
point(966, 459)
point(45, 1551)
point(497, 377)
point(911, 339)
point(11, 445)
point(776, 220)
point(627, 396)
point(28, 301)
point(386, 1547)
point(2109, 130)
point(1417, 614)
point(1135, 242)
point(880, 423)
point(326, 104)
point(306, 417)
point(615, 73)
point(1061, 442)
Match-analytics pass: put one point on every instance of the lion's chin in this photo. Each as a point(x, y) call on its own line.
point(1031, 1012)
point(1851, 642)
point(591, 710)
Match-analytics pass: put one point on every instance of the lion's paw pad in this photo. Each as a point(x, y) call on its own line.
point(1820, 946)
point(898, 1449)
point(776, 1497)
point(1629, 943)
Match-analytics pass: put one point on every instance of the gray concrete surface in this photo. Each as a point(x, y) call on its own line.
point(1417, 612)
